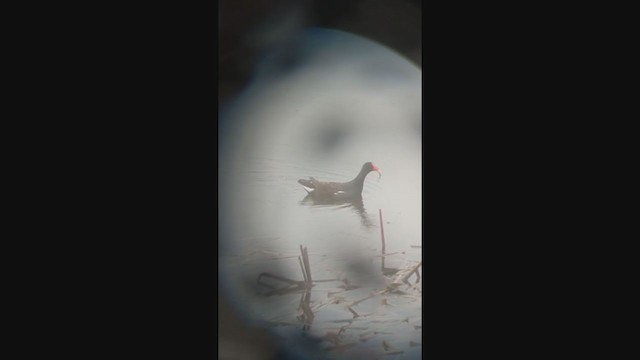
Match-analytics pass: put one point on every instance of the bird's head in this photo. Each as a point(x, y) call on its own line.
point(369, 166)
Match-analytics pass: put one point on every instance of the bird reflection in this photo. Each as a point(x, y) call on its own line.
point(354, 203)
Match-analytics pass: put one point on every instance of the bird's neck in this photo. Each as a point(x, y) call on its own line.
point(360, 178)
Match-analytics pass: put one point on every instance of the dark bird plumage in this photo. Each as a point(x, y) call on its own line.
point(350, 189)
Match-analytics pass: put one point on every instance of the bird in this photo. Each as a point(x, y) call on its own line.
point(335, 190)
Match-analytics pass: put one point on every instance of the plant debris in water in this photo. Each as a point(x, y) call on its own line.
point(348, 320)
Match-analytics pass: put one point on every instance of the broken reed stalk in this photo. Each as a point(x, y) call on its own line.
point(381, 230)
point(414, 270)
point(305, 305)
point(382, 236)
point(304, 274)
point(307, 266)
point(361, 300)
point(355, 315)
point(264, 274)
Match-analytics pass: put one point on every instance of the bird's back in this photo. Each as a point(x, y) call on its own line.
point(319, 188)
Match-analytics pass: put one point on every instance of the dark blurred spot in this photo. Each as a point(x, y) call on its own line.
point(332, 137)
point(329, 132)
point(360, 267)
point(363, 272)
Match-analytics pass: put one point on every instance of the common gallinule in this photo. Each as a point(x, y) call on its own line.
point(350, 189)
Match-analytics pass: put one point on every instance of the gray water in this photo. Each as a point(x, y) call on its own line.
point(344, 102)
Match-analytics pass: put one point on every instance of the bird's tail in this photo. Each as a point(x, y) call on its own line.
point(308, 185)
